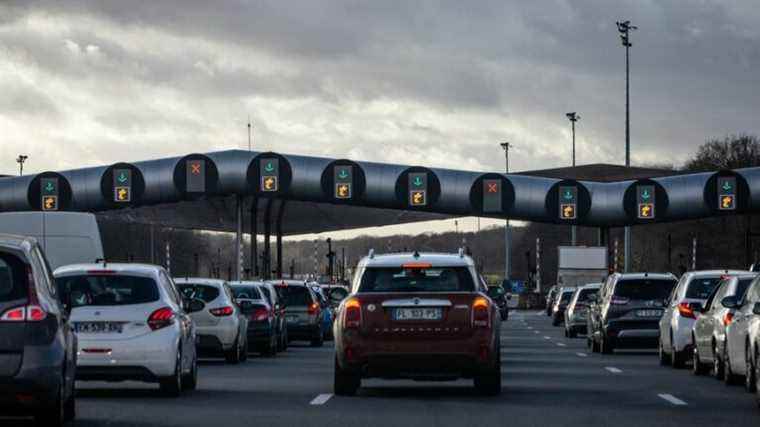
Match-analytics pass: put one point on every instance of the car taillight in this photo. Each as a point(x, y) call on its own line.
point(481, 318)
point(32, 312)
point(17, 314)
point(618, 301)
point(161, 318)
point(260, 314)
point(352, 313)
point(222, 311)
point(313, 308)
point(686, 311)
point(728, 318)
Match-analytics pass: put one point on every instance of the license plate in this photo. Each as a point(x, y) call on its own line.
point(291, 319)
point(649, 313)
point(418, 314)
point(98, 327)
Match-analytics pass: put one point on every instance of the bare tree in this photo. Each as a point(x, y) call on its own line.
point(731, 152)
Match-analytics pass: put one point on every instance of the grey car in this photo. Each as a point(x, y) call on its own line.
point(37, 345)
point(575, 315)
point(709, 334)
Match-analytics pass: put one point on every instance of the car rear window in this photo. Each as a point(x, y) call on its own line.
point(741, 287)
point(585, 294)
point(108, 290)
point(433, 279)
point(644, 289)
point(295, 296)
point(701, 288)
point(565, 298)
point(245, 292)
point(204, 293)
point(13, 281)
point(268, 293)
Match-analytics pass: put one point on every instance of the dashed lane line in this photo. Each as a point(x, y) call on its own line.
point(672, 399)
point(581, 354)
point(614, 370)
point(321, 399)
point(561, 344)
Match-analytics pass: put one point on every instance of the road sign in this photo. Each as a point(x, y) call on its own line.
point(196, 176)
point(122, 185)
point(344, 180)
point(49, 192)
point(49, 203)
point(418, 183)
point(645, 200)
point(122, 194)
point(269, 169)
point(727, 193)
point(342, 190)
point(568, 202)
point(492, 197)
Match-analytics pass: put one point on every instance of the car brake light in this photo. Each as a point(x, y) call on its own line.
point(161, 318)
point(480, 314)
point(260, 314)
point(686, 311)
point(728, 318)
point(32, 312)
point(222, 311)
point(100, 272)
point(618, 301)
point(313, 308)
point(17, 314)
point(353, 313)
point(417, 265)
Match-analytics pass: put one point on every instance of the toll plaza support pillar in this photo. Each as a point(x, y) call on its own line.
point(239, 237)
point(266, 264)
point(255, 237)
point(278, 230)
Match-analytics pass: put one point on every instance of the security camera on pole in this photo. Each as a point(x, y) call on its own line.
point(625, 28)
point(574, 117)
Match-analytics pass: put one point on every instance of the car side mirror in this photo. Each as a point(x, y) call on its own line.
point(756, 308)
point(730, 302)
point(194, 305)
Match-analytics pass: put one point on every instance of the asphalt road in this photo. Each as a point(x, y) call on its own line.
point(548, 380)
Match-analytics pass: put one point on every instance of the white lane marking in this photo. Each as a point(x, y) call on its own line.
point(581, 354)
point(559, 344)
point(547, 338)
point(530, 327)
point(614, 370)
point(672, 399)
point(535, 332)
point(321, 399)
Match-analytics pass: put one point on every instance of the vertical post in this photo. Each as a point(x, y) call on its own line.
point(169, 257)
point(627, 249)
point(255, 237)
point(316, 261)
point(538, 265)
point(507, 232)
point(694, 253)
point(239, 238)
point(616, 256)
point(278, 230)
point(152, 244)
point(266, 261)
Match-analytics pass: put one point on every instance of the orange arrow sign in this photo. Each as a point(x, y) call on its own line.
point(269, 183)
point(645, 211)
point(50, 203)
point(418, 198)
point(727, 202)
point(343, 191)
point(568, 211)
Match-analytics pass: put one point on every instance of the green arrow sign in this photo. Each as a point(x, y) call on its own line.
point(49, 187)
point(269, 167)
point(342, 174)
point(122, 177)
point(417, 181)
point(726, 186)
point(645, 195)
point(568, 195)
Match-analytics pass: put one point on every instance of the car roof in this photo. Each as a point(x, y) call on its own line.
point(16, 241)
point(592, 286)
point(624, 276)
point(198, 281)
point(436, 259)
point(287, 282)
point(245, 283)
point(144, 269)
point(710, 273)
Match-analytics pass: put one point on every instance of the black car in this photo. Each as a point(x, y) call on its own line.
point(561, 302)
point(262, 322)
point(37, 345)
point(499, 296)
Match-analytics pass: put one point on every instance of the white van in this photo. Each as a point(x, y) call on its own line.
point(66, 237)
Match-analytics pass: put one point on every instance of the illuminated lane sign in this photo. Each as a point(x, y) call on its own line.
point(49, 191)
point(344, 180)
point(492, 198)
point(122, 185)
point(645, 200)
point(568, 203)
point(196, 176)
point(727, 193)
point(270, 175)
point(418, 187)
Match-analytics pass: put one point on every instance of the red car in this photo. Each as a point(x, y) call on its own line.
point(420, 317)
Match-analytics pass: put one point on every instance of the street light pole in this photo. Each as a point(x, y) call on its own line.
point(507, 232)
point(574, 117)
point(624, 28)
point(20, 160)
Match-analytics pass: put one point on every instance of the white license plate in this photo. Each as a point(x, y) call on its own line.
point(649, 313)
point(418, 314)
point(98, 327)
point(291, 319)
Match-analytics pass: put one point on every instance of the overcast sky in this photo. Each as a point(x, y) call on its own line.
point(436, 83)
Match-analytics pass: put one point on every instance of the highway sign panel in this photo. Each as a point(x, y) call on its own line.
point(492, 196)
point(196, 176)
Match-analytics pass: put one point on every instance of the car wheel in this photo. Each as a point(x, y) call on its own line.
point(677, 358)
point(54, 416)
point(244, 350)
point(232, 355)
point(345, 383)
point(698, 368)
point(749, 378)
point(285, 340)
point(172, 386)
point(664, 358)
point(269, 349)
point(190, 381)
point(70, 409)
point(728, 374)
point(318, 340)
point(489, 383)
point(572, 334)
point(555, 321)
point(717, 364)
point(757, 377)
point(594, 345)
point(606, 347)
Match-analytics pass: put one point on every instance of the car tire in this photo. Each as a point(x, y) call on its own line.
point(232, 356)
point(572, 334)
point(190, 381)
point(594, 345)
point(728, 374)
point(664, 357)
point(55, 415)
point(606, 347)
point(172, 386)
point(244, 350)
point(285, 340)
point(345, 383)
point(677, 358)
point(70, 409)
point(270, 348)
point(489, 383)
point(555, 321)
point(698, 368)
point(749, 378)
point(318, 340)
point(757, 377)
point(718, 367)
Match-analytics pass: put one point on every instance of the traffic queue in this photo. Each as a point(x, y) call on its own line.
point(709, 320)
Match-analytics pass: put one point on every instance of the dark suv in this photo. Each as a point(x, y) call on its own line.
point(37, 346)
point(627, 311)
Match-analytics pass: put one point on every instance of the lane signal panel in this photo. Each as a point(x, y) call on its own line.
point(344, 181)
point(727, 193)
point(418, 189)
point(196, 176)
point(122, 185)
point(49, 192)
point(269, 170)
point(492, 196)
point(645, 201)
point(568, 202)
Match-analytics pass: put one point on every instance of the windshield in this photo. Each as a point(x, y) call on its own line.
point(108, 290)
point(204, 293)
point(245, 292)
point(433, 279)
point(701, 288)
point(295, 296)
point(565, 298)
point(585, 294)
point(644, 289)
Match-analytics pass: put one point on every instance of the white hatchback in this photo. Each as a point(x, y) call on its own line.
point(131, 324)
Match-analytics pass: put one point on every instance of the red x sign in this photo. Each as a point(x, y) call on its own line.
point(195, 168)
point(493, 187)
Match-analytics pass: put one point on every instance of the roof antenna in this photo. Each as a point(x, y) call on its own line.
point(249, 132)
point(371, 253)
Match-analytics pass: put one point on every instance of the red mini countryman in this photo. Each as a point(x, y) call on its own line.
point(417, 316)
